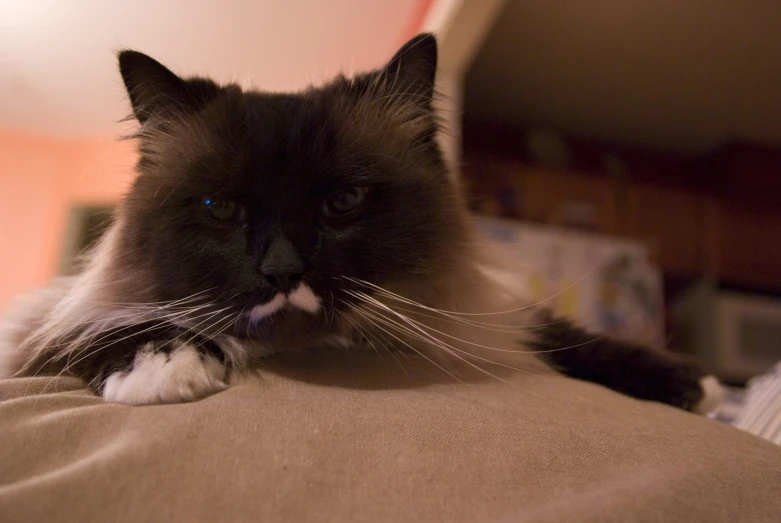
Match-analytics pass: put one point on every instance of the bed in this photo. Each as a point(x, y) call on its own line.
point(348, 437)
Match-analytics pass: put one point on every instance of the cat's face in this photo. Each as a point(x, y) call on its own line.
point(271, 204)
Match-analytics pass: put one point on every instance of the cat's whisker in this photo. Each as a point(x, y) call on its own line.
point(461, 355)
point(81, 356)
point(104, 347)
point(481, 325)
point(70, 364)
point(457, 313)
point(498, 327)
point(228, 318)
point(209, 316)
point(423, 329)
point(84, 323)
point(378, 319)
point(152, 313)
point(333, 309)
point(376, 325)
point(372, 301)
point(191, 297)
point(231, 320)
point(365, 335)
point(359, 331)
point(85, 338)
point(166, 317)
point(397, 297)
point(368, 299)
point(241, 313)
point(388, 322)
point(383, 340)
point(455, 319)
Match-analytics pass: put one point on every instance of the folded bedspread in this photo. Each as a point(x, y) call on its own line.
point(352, 437)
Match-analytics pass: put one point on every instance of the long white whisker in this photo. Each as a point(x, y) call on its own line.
point(366, 336)
point(208, 318)
point(509, 330)
point(373, 301)
point(413, 349)
point(186, 299)
point(230, 319)
point(377, 303)
point(166, 317)
point(358, 329)
point(103, 347)
point(453, 351)
point(68, 345)
point(68, 364)
point(496, 327)
point(456, 313)
point(488, 326)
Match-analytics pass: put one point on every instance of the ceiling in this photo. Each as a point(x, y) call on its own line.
point(57, 66)
point(659, 74)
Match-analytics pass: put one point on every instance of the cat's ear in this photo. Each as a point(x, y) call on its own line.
point(155, 91)
point(413, 69)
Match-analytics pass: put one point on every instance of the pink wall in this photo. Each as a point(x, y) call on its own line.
point(418, 18)
point(40, 178)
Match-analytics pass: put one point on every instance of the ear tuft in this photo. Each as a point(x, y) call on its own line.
point(413, 69)
point(155, 91)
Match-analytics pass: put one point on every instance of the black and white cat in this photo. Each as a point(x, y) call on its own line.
point(262, 222)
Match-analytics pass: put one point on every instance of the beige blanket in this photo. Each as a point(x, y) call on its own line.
point(330, 437)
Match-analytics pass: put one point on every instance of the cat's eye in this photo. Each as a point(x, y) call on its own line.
point(344, 204)
point(223, 209)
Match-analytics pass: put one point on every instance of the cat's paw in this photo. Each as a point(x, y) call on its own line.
point(712, 396)
point(678, 381)
point(156, 376)
point(685, 387)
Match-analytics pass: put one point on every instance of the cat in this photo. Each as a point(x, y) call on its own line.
point(263, 222)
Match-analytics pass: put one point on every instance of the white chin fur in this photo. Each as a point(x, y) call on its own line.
point(713, 396)
point(157, 377)
point(304, 299)
point(265, 310)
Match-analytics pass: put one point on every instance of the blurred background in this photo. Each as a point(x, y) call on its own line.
point(628, 152)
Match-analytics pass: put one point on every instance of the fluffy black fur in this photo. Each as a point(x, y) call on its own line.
point(278, 157)
point(629, 368)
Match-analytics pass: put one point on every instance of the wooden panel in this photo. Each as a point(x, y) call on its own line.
point(673, 224)
point(569, 200)
point(751, 247)
point(690, 234)
point(544, 196)
point(494, 189)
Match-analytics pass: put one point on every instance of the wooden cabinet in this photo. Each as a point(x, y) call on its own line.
point(674, 224)
point(750, 247)
point(569, 200)
point(545, 196)
point(690, 235)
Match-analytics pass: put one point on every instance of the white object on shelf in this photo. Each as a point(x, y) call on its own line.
point(605, 284)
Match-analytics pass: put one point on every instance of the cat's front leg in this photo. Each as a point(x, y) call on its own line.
point(628, 368)
point(162, 372)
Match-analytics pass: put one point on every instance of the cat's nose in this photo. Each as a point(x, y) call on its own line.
point(281, 265)
point(283, 282)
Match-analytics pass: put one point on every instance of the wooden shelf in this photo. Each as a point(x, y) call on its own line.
point(690, 234)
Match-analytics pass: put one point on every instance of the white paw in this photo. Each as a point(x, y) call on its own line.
point(156, 377)
point(713, 395)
